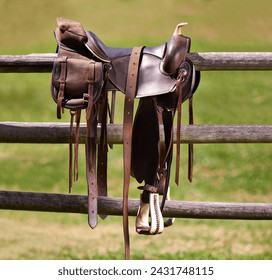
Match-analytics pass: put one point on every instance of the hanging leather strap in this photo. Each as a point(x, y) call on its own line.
point(91, 152)
point(91, 171)
point(73, 152)
point(111, 110)
point(190, 145)
point(72, 113)
point(179, 108)
point(78, 115)
point(102, 154)
point(62, 82)
point(131, 87)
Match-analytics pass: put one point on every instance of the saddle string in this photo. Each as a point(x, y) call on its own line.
point(190, 145)
point(72, 113)
point(164, 158)
point(76, 146)
point(111, 110)
point(73, 153)
point(179, 108)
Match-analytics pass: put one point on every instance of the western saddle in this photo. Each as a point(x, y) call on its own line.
point(162, 78)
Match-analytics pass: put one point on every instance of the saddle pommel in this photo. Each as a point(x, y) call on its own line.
point(178, 28)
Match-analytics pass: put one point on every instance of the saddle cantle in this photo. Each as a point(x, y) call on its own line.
point(161, 77)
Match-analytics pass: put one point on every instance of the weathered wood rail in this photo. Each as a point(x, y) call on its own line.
point(14, 132)
point(203, 61)
point(50, 133)
point(46, 202)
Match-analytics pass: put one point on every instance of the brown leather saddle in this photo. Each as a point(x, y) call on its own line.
point(161, 77)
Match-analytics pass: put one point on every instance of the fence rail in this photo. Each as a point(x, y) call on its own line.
point(203, 61)
point(29, 201)
point(31, 132)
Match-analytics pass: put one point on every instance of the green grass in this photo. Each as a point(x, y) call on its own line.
point(223, 172)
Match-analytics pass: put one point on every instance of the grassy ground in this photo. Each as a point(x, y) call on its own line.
point(224, 172)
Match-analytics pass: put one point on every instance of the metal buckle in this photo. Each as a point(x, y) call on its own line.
point(86, 97)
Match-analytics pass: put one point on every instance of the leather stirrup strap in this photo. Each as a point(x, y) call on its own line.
point(131, 87)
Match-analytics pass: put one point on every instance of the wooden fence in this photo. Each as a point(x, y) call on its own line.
point(21, 132)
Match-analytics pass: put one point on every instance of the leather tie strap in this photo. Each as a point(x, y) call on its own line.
point(131, 87)
point(190, 145)
point(62, 82)
point(179, 109)
point(73, 162)
point(72, 113)
point(78, 115)
point(111, 110)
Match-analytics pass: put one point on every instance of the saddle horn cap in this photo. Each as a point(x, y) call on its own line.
point(178, 28)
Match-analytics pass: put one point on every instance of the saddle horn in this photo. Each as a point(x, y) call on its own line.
point(176, 52)
point(178, 28)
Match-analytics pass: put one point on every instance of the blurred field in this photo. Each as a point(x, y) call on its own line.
point(224, 172)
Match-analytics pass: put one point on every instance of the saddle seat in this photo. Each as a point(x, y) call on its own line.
point(152, 81)
point(102, 51)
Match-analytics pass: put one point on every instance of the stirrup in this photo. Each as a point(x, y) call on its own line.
point(150, 211)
